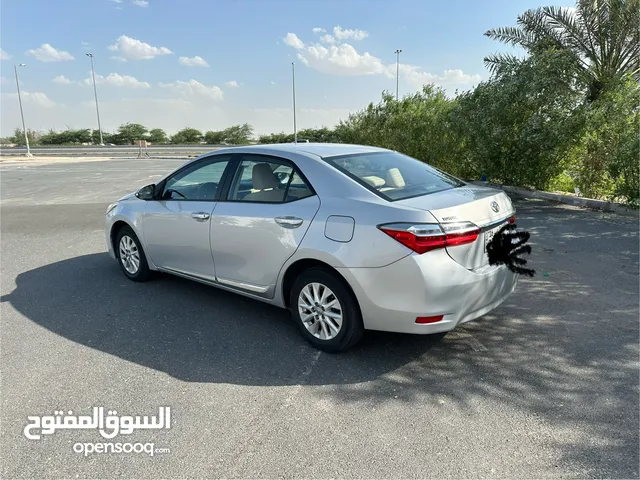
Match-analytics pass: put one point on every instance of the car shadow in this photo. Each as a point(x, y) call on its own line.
point(563, 349)
point(190, 331)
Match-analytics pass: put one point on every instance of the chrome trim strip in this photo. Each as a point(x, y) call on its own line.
point(212, 283)
point(497, 223)
point(187, 276)
point(245, 286)
point(219, 281)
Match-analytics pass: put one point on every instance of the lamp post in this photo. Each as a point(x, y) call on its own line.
point(95, 92)
point(397, 52)
point(295, 127)
point(24, 129)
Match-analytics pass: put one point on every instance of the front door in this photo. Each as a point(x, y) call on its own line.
point(261, 223)
point(177, 226)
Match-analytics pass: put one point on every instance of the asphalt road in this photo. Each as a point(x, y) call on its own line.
point(115, 151)
point(544, 386)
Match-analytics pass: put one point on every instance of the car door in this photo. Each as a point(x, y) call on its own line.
point(266, 213)
point(177, 226)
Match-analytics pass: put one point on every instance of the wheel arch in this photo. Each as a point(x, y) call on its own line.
point(115, 229)
point(296, 268)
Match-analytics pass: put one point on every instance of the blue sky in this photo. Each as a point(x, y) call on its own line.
point(210, 64)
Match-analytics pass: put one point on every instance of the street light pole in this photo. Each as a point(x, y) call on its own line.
point(24, 129)
point(95, 92)
point(295, 127)
point(397, 52)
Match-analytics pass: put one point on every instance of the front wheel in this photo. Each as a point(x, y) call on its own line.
point(326, 311)
point(131, 255)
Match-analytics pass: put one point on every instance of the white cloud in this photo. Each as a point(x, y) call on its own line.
point(272, 82)
point(47, 53)
point(327, 39)
point(195, 90)
point(341, 59)
point(117, 80)
point(231, 83)
point(4, 55)
point(141, 3)
point(318, 30)
point(85, 45)
point(116, 1)
point(132, 49)
point(4, 81)
point(61, 80)
point(39, 99)
point(346, 34)
point(193, 61)
point(293, 41)
point(415, 77)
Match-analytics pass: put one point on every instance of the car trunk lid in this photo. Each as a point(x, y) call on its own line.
point(487, 208)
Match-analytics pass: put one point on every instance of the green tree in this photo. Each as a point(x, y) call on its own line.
point(187, 135)
point(157, 136)
point(128, 133)
point(238, 134)
point(606, 161)
point(519, 127)
point(18, 137)
point(417, 125)
point(601, 36)
point(276, 138)
point(214, 138)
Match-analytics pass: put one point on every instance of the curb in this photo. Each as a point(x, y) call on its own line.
point(565, 199)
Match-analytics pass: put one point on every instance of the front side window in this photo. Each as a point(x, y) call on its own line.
point(199, 182)
point(394, 176)
point(261, 179)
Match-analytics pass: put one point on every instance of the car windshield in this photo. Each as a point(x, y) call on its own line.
point(394, 176)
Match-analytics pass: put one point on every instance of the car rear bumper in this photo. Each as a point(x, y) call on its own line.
point(392, 297)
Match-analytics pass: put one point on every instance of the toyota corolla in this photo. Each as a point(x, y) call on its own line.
point(348, 238)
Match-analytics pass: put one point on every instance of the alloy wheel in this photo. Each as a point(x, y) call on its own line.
point(129, 254)
point(320, 311)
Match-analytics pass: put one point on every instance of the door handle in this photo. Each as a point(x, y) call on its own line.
point(200, 216)
point(289, 222)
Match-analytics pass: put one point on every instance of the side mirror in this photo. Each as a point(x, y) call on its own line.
point(147, 193)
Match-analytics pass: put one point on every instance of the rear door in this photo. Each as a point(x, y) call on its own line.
point(261, 222)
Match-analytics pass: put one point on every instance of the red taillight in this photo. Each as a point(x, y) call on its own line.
point(434, 319)
point(416, 243)
point(512, 220)
point(422, 238)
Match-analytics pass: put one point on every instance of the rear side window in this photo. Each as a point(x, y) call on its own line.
point(265, 180)
point(394, 176)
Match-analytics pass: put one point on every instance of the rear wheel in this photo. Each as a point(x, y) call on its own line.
point(326, 311)
point(131, 255)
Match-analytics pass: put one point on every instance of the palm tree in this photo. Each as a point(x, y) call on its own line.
point(602, 36)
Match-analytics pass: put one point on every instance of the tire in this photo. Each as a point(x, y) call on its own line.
point(351, 328)
point(128, 241)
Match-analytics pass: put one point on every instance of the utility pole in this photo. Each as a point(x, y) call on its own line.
point(295, 127)
point(95, 92)
point(397, 52)
point(24, 129)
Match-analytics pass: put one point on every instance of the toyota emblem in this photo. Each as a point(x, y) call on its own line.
point(495, 207)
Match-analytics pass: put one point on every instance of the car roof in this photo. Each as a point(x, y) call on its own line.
point(323, 150)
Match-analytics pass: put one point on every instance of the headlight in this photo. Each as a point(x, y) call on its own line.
point(111, 207)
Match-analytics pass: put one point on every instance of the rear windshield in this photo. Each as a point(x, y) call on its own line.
point(394, 176)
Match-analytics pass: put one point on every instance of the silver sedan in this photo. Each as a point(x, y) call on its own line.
point(347, 237)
